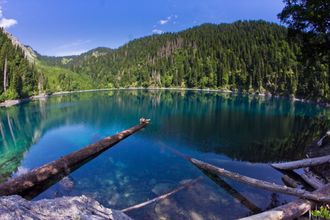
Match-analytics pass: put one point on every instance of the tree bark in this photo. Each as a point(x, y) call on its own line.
point(5, 76)
point(233, 192)
point(302, 163)
point(164, 196)
point(34, 182)
point(288, 181)
point(260, 183)
point(291, 210)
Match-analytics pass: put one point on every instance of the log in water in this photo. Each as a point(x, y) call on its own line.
point(37, 180)
point(291, 210)
point(260, 183)
point(310, 162)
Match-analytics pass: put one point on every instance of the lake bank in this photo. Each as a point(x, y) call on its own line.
point(9, 103)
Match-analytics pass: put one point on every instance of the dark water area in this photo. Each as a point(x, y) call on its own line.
point(239, 133)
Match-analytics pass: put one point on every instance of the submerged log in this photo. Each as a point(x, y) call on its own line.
point(302, 163)
point(233, 192)
point(37, 180)
point(164, 196)
point(290, 210)
point(260, 183)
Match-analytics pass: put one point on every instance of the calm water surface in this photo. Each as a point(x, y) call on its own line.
point(239, 133)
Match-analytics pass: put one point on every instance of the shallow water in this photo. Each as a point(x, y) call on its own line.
point(239, 133)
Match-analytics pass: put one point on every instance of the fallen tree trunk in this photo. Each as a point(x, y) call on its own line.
point(164, 196)
point(288, 181)
point(233, 192)
point(297, 178)
point(312, 180)
point(291, 210)
point(37, 180)
point(302, 163)
point(260, 183)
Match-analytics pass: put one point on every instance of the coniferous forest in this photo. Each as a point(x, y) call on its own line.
point(19, 76)
point(245, 56)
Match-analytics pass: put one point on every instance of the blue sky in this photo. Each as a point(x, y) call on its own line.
point(64, 27)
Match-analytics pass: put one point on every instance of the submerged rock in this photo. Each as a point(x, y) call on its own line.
point(79, 207)
point(162, 188)
point(67, 183)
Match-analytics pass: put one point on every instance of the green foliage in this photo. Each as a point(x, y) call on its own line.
point(323, 212)
point(310, 19)
point(246, 56)
point(20, 75)
point(61, 79)
point(308, 23)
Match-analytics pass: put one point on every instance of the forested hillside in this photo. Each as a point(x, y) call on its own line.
point(250, 56)
point(18, 75)
point(246, 56)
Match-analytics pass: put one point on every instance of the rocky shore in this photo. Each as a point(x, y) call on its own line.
point(79, 207)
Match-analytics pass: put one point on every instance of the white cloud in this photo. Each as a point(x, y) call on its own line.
point(6, 22)
point(168, 19)
point(157, 31)
point(162, 22)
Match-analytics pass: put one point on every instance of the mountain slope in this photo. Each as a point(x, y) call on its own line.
point(246, 56)
point(18, 76)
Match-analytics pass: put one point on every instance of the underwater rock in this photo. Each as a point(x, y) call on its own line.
point(162, 188)
point(67, 183)
point(79, 207)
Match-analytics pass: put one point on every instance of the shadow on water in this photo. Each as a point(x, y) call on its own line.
point(239, 133)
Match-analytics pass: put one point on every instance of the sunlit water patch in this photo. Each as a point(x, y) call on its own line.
point(239, 133)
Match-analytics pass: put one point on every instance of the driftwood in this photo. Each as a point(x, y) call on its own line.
point(37, 180)
point(297, 178)
point(310, 162)
point(311, 180)
point(288, 181)
point(223, 184)
point(290, 210)
point(164, 196)
point(260, 183)
point(320, 142)
point(234, 193)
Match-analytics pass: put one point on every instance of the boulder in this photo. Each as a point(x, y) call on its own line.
point(79, 207)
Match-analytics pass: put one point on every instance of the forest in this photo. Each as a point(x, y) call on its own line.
point(244, 56)
point(18, 75)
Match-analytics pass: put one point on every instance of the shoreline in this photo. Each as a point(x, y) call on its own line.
point(9, 103)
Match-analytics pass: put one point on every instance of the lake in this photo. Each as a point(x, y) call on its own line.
point(239, 133)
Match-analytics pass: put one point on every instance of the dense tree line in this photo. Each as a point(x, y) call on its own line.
point(308, 23)
point(247, 56)
point(18, 77)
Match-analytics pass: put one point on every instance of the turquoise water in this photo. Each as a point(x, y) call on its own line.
point(239, 133)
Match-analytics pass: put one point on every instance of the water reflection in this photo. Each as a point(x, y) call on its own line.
point(226, 130)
